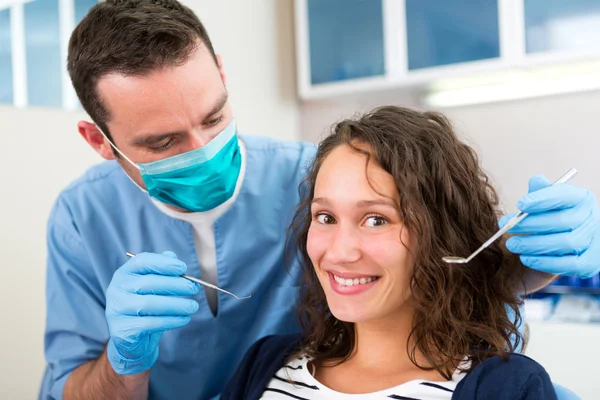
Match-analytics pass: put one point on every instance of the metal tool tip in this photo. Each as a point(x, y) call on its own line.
point(454, 260)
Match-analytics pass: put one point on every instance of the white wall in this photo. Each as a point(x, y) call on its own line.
point(549, 136)
point(569, 353)
point(42, 153)
point(514, 139)
point(256, 41)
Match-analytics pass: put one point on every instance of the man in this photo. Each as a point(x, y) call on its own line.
point(210, 205)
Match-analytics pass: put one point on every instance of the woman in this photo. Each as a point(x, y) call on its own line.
point(389, 195)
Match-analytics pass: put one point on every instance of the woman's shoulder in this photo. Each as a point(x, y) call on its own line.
point(282, 345)
point(514, 377)
point(270, 352)
point(264, 358)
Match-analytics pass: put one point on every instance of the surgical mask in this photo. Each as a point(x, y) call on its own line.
point(198, 180)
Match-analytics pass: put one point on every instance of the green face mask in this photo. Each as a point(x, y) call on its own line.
point(199, 180)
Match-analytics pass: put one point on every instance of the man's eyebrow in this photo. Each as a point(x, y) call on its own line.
point(218, 106)
point(153, 138)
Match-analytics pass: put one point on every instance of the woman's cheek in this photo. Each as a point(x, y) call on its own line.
point(315, 244)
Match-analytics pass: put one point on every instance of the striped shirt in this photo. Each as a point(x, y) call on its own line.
point(294, 381)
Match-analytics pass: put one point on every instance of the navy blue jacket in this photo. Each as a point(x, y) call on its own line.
point(518, 378)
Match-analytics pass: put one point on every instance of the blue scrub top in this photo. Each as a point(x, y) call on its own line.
point(103, 215)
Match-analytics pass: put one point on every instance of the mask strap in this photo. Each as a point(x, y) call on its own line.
point(126, 158)
point(117, 150)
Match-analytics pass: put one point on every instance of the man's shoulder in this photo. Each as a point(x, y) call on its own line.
point(283, 163)
point(264, 145)
point(103, 174)
point(102, 185)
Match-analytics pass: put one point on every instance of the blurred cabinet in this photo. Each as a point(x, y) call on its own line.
point(349, 46)
point(34, 36)
point(562, 25)
point(6, 75)
point(42, 53)
point(345, 39)
point(81, 8)
point(451, 32)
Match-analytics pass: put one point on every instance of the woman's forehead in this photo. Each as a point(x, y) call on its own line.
point(345, 173)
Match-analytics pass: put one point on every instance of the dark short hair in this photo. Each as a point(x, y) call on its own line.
point(449, 207)
point(131, 37)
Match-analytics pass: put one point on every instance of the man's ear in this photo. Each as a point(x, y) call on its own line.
point(221, 70)
point(96, 139)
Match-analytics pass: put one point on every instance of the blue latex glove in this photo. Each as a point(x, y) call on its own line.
point(562, 393)
point(563, 229)
point(142, 303)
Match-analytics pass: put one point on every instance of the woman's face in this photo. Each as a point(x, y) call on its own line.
point(356, 240)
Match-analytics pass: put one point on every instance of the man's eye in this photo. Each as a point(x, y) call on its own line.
point(325, 219)
point(163, 146)
point(215, 121)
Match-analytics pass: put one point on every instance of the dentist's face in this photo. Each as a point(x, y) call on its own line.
point(163, 113)
point(357, 241)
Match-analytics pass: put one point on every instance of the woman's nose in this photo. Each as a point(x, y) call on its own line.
point(344, 247)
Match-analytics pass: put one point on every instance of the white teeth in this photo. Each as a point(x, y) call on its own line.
point(352, 282)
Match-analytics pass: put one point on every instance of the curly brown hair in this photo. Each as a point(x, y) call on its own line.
point(449, 206)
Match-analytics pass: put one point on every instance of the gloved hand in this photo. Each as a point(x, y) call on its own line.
point(563, 229)
point(142, 303)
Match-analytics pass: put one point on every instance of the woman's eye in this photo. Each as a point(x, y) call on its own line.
point(375, 220)
point(325, 219)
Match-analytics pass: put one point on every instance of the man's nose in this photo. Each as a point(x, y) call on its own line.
point(199, 138)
